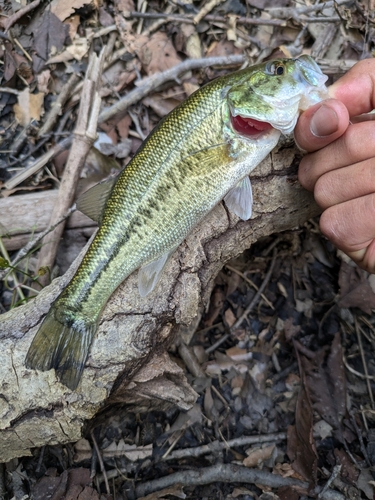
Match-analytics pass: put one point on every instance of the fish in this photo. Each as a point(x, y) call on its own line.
point(197, 156)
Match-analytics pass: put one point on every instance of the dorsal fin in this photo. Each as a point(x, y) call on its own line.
point(92, 201)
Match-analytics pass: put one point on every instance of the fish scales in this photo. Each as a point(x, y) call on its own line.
point(165, 220)
point(199, 154)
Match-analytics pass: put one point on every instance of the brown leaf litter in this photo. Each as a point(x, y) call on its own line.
point(281, 404)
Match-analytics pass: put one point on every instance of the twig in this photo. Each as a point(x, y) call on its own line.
point(223, 473)
point(207, 7)
point(360, 437)
point(359, 340)
point(146, 86)
point(190, 360)
point(138, 128)
point(39, 164)
point(336, 471)
point(154, 26)
point(40, 459)
point(178, 437)
point(354, 372)
point(21, 138)
point(257, 296)
point(8, 23)
point(26, 54)
point(9, 90)
point(4, 36)
point(218, 343)
point(251, 283)
point(57, 106)
point(102, 468)
point(365, 17)
point(292, 12)
point(84, 137)
point(189, 19)
point(4, 252)
point(152, 82)
point(32, 244)
point(30, 153)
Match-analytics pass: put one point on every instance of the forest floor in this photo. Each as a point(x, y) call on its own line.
point(286, 394)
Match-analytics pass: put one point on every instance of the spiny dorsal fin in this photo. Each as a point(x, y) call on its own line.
point(92, 201)
point(239, 200)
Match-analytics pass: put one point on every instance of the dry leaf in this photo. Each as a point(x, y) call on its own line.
point(287, 493)
point(73, 22)
point(355, 290)
point(301, 446)
point(43, 80)
point(130, 451)
point(158, 54)
point(50, 35)
point(79, 48)
point(325, 381)
point(231, 31)
point(159, 104)
point(257, 457)
point(364, 483)
point(187, 419)
point(29, 107)
point(238, 354)
point(216, 304)
point(209, 405)
point(83, 450)
point(124, 5)
point(66, 8)
point(229, 317)
point(349, 472)
point(323, 429)
point(172, 491)
point(73, 484)
point(13, 62)
point(222, 48)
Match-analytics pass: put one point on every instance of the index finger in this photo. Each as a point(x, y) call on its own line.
point(356, 89)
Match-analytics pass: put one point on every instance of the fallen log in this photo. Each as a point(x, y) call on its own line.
point(27, 215)
point(128, 362)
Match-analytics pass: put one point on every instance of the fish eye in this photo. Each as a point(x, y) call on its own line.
point(275, 68)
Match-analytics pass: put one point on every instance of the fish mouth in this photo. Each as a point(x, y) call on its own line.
point(249, 127)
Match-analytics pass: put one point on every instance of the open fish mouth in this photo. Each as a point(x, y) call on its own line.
point(249, 127)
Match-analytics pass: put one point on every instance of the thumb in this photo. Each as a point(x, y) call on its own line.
point(321, 124)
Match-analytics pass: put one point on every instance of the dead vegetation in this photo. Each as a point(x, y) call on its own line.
point(280, 363)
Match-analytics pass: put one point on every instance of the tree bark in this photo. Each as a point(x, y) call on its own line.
point(128, 362)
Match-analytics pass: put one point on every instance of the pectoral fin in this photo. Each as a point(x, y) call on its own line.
point(150, 274)
point(239, 200)
point(92, 201)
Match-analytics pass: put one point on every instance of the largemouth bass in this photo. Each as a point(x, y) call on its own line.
point(198, 155)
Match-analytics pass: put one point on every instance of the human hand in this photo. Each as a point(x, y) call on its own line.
point(340, 166)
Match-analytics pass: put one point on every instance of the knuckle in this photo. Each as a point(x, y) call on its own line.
point(304, 173)
point(330, 225)
point(323, 191)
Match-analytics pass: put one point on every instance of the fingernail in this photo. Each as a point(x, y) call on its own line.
point(324, 122)
point(358, 255)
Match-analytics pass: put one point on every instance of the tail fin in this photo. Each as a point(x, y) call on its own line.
point(64, 347)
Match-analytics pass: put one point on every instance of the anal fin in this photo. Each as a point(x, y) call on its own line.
point(149, 275)
point(239, 200)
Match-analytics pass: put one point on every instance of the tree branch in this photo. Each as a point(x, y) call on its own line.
point(128, 362)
